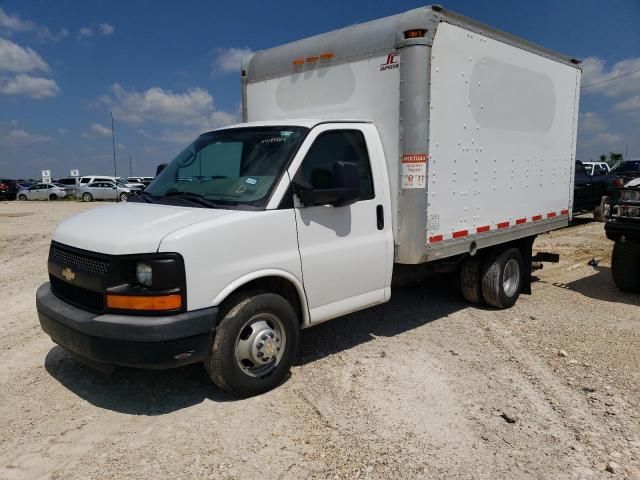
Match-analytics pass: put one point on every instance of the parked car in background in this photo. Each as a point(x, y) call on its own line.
point(8, 189)
point(589, 190)
point(105, 190)
point(42, 191)
point(625, 171)
point(69, 184)
point(597, 168)
point(142, 180)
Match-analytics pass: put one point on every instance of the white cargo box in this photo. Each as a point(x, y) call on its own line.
point(478, 126)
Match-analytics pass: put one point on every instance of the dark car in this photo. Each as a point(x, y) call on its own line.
point(8, 189)
point(625, 171)
point(589, 190)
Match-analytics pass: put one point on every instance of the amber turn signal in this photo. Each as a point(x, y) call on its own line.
point(144, 302)
point(414, 33)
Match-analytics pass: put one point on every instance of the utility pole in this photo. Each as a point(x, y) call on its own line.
point(113, 143)
point(626, 154)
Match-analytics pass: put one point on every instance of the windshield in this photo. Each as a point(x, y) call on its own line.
point(230, 167)
point(627, 166)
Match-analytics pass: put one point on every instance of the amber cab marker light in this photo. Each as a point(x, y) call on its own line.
point(414, 33)
point(312, 59)
point(144, 302)
point(326, 56)
point(298, 61)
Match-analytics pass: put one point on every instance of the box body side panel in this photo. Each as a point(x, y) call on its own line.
point(501, 139)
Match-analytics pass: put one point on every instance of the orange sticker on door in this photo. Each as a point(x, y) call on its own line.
point(414, 170)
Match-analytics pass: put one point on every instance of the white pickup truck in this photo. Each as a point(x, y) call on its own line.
point(420, 143)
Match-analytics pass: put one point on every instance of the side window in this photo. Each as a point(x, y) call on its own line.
point(580, 170)
point(85, 180)
point(335, 146)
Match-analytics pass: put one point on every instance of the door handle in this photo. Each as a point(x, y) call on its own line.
point(380, 217)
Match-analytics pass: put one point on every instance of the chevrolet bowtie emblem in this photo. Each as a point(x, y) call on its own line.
point(68, 274)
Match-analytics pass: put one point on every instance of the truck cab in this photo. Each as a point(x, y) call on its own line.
point(278, 211)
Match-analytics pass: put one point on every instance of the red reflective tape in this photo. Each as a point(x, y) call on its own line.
point(535, 218)
point(461, 233)
point(520, 221)
point(485, 228)
point(564, 212)
point(551, 214)
point(435, 238)
point(503, 225)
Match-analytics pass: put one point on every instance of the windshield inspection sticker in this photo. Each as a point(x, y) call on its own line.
point(251, 181)
point(414, 170)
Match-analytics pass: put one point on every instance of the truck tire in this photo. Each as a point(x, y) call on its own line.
point(502, 278)
point(625, 266)
point(254, 344)
point(471, 279)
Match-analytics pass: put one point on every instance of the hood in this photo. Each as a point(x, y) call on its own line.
point(633, 183)
point(125, 228)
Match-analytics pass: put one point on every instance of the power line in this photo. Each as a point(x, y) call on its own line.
point(610, 79)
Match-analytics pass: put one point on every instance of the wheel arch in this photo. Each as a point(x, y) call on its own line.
point(280, 282)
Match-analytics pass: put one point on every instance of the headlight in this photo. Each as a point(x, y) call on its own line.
point(144, 274)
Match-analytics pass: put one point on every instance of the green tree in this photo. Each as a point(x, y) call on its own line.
point(603, 158)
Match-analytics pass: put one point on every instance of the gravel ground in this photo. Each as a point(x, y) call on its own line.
point(422, 387)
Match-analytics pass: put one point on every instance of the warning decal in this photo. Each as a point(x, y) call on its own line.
point(414, 170)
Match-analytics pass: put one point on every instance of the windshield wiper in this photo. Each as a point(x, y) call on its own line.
point(194, 198)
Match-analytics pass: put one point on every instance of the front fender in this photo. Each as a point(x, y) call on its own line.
point(243, 280)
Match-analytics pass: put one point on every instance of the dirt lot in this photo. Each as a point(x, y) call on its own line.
point(422, 387)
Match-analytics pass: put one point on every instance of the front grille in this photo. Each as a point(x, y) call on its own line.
point(79, 261)
point(78, 296)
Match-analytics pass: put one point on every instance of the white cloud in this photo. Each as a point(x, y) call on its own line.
point(591, 122)
point(13, 23)
point(229, 59)
point(18, 136)
point(103, 30)
point(85, 32)
point(97, 130)
point(594, 71)
point(10, 24)
point(191, 111)
point(62, 131)
point(34, 87)
point(106, 29)
point(628, 105)
point(14, 58)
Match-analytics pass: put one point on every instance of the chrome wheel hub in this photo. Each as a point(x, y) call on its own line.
point(260, 345)
point(511, 277)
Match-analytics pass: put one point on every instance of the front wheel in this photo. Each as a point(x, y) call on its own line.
point(53, 197)
point(123, 197)
point(22, 197)
point(254, 344)
point(502, 278)
point(87, 197)
point(625, 266)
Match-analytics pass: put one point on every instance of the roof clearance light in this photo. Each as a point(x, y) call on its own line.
point(326, 56)
point(414, 33)
point(312, 59)
point(298, 61)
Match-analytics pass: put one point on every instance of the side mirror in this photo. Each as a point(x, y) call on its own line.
point(344, 191)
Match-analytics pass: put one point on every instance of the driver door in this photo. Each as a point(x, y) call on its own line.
point(344, 250)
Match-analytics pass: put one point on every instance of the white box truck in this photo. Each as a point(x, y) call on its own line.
point(420, 143)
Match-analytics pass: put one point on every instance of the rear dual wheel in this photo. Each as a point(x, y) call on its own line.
point(254, 344)
point(495, 280)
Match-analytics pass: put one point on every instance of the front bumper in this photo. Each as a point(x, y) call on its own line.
point(127, 340)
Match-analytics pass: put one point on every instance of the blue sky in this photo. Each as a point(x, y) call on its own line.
point(169, 70)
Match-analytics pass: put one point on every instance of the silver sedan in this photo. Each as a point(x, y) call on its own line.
point(42, 191)
point(102, 191)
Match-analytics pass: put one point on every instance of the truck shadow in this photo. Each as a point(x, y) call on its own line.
point(158, 392)
point(600, 286)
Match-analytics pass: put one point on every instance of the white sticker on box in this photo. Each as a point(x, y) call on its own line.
point(414, 170)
